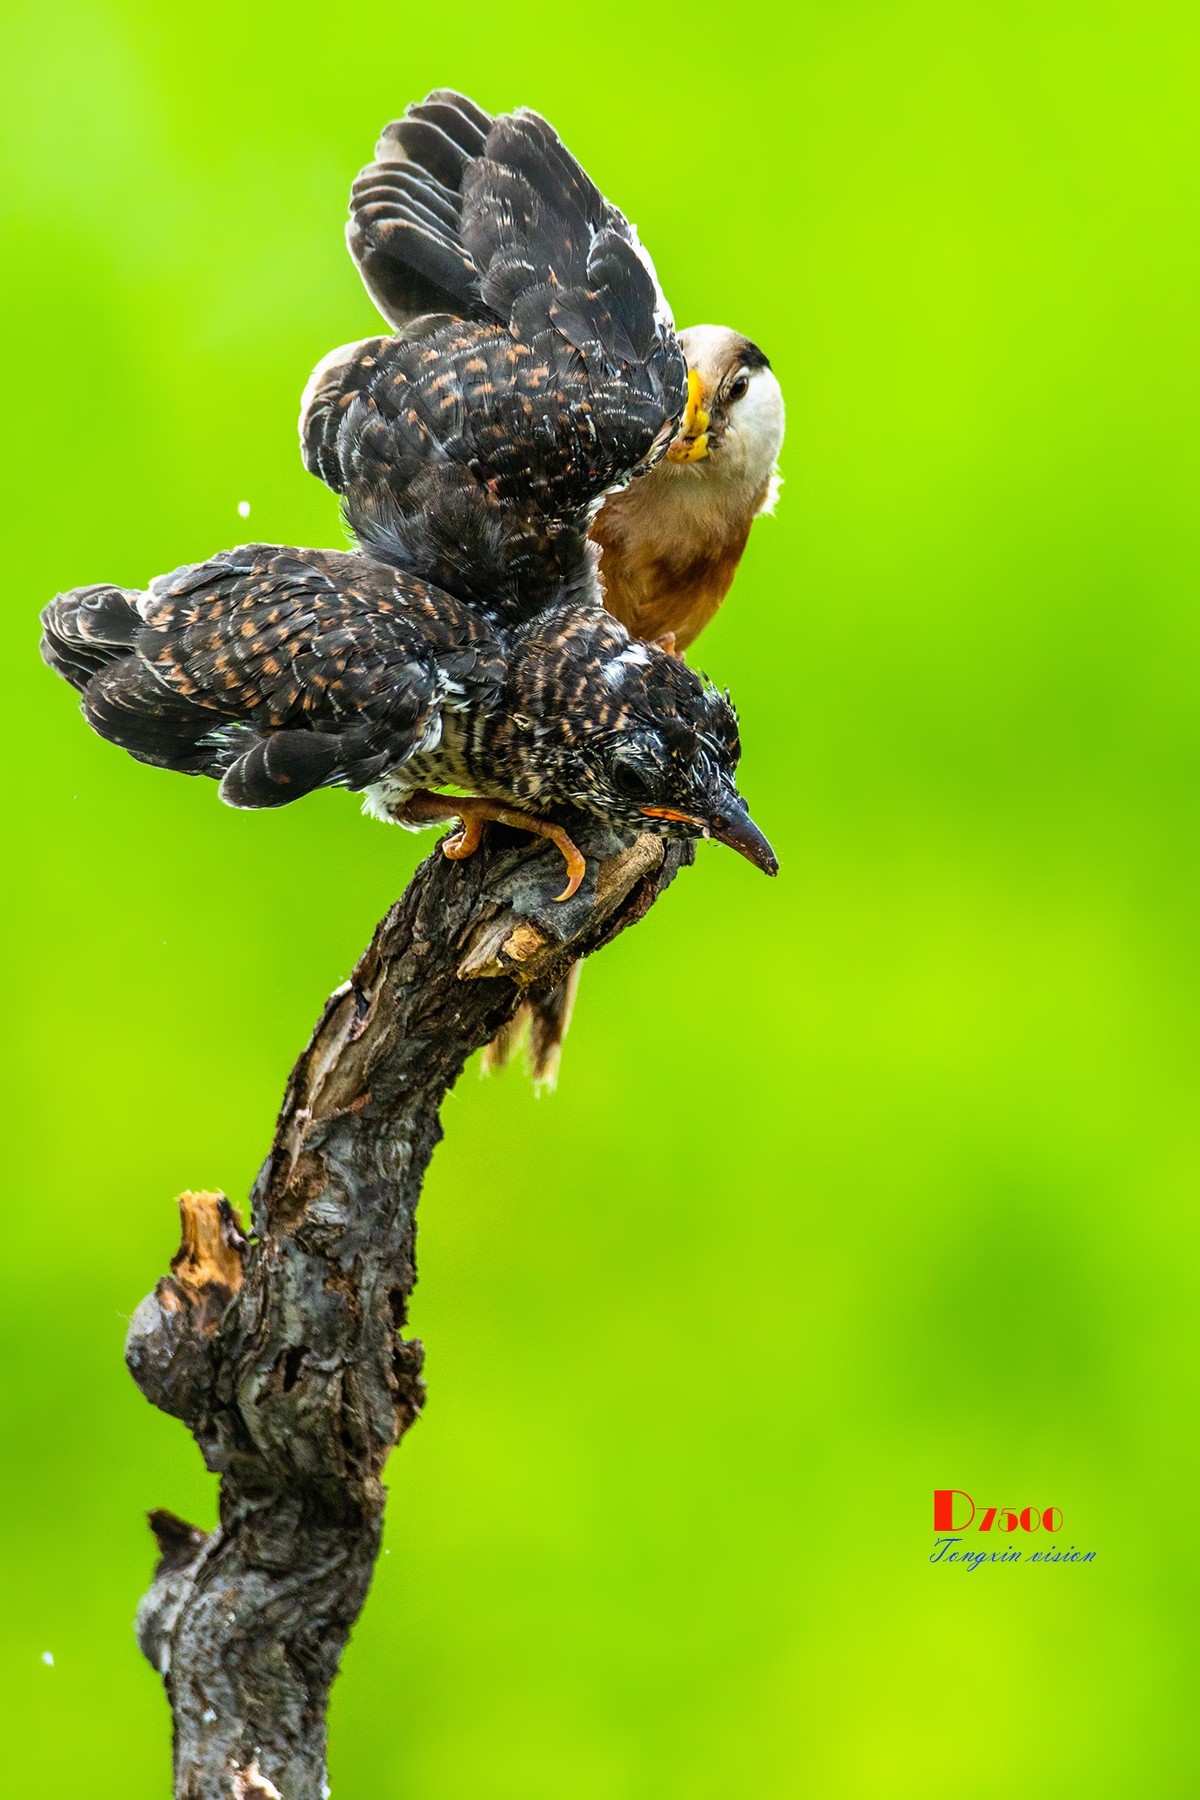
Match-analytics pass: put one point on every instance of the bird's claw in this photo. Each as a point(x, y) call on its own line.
point(465, 841)
point(473, 813)
point(576, 866)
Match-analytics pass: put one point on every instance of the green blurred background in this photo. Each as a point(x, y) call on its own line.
point(876, 1178)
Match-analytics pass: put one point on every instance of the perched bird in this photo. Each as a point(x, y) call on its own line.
point(670, 542)
point(281, 671)
point(465, 644)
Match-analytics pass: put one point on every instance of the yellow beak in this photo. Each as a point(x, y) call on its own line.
point(691, 444)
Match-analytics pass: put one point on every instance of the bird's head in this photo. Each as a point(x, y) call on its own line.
point(638, 738)
point(734, 416)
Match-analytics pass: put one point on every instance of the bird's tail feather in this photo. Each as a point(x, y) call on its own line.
point(542, 1020)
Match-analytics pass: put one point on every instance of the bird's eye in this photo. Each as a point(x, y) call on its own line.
point(738, 387)
point(632, 782)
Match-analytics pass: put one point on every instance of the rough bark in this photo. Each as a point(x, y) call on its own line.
point(282, 1350)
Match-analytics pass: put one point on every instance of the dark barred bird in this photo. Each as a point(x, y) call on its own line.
point(281, 671)
point(465, 644)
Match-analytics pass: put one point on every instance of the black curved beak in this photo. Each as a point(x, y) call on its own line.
point(733, 825)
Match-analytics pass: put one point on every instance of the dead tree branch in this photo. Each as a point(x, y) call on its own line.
point(282, 1351)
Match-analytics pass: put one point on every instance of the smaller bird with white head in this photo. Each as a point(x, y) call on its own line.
point(671, 542)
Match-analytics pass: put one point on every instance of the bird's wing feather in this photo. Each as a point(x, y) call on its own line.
point(276, 670)
point(404, 231)
point(461, 213)
point(471, 451)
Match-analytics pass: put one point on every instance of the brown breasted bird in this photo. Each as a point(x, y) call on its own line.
point(465, 643)
point(669, 542)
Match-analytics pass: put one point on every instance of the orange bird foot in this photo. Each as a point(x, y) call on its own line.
point(474, 812)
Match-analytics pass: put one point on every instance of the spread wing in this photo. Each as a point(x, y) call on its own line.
point(405, 226)
point(275, 671)
point(457, 207)
point(472, 448)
